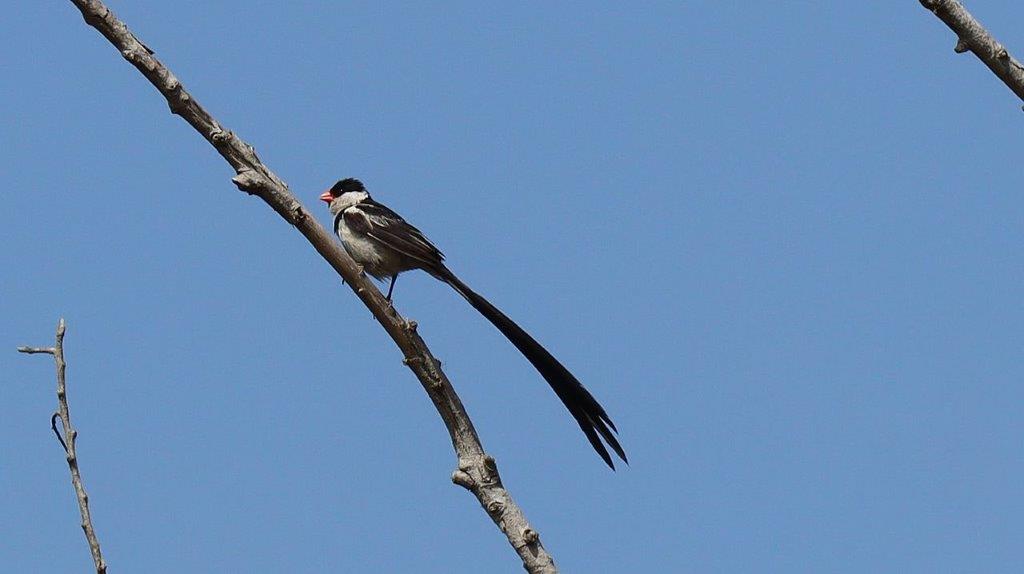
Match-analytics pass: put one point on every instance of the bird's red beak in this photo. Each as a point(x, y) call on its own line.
point(326, 196)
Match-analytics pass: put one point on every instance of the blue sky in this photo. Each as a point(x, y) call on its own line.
point(780, 242)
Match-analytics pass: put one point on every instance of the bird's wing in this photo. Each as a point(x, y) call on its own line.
point(387, 227)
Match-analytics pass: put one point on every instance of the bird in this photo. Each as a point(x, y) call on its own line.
point(385, 245)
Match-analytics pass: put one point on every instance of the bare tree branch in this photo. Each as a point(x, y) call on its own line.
point(476, 470)
point(974, 37)
point(64, 414)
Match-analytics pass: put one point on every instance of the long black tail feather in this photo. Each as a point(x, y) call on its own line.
point(589, 414)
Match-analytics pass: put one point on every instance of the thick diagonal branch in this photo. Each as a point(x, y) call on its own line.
point(71, 435)
point(971, 35)
point(476, 470)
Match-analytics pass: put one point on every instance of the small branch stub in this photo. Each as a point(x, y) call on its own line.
point(246, 180)
point(34, 350)
point(463, 479)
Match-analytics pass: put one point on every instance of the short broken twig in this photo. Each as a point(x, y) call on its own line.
point(34, 350)
point(69, 445)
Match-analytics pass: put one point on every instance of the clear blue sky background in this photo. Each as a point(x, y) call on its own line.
point(781, 242)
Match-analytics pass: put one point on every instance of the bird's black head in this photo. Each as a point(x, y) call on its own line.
point(346, 185)
point(343, 186)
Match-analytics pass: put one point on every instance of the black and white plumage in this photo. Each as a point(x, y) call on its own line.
point(386, 245)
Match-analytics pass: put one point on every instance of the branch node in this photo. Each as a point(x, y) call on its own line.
point(1002, 54)
point(179, 101)
point(463, 479)
point(436, 378)
point(530, 536)
point(491, 466)
point(961, 46)
point(495, 508)
point(246, 180)
point(129, 53)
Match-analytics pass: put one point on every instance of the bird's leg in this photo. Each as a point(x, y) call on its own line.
point(392, 287)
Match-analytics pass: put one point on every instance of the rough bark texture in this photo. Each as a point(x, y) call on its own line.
point(476, 470)
point(64, 414)
point(972, 36)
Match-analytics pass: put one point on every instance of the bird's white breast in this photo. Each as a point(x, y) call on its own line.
point(363, 249)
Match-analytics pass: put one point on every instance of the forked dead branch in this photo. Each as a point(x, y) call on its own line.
point(63, 414)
